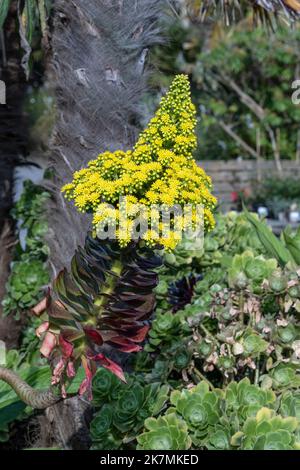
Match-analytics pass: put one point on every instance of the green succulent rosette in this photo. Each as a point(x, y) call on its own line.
point(268, 431)
point(284, 377)
point(290, 404)
point(246, 399)
point(164, 433)
point(123, 408)
point(200, 409)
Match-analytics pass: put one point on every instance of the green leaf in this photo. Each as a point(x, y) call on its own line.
point(4, 7)
point(29, 15)
point(11, 412)
point(10, 404)
point(43, 16)
point(293, 245)
point(272, 244)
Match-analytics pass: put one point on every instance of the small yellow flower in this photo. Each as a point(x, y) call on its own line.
point(165, 117)
point(159, 170)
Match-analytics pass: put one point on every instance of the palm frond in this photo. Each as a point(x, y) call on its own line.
point(231, 11)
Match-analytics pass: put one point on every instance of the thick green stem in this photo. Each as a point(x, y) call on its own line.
point(38, 399)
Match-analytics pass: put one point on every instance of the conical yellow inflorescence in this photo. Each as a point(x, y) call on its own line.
point(160, 170)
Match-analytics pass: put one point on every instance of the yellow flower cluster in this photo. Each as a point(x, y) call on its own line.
point(159, 170)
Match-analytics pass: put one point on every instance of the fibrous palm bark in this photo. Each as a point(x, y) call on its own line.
point(99, 50)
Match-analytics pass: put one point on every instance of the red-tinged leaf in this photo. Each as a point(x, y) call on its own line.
point(115, 369)
point(42, 329)
point(107, 335)
point(96, 357)
point(57, 372)
point(130, 348)
point(48, 345)
point(84, 387)
point(66, 347)
point(140, 336)
point(56, 309)
point(121, 324)
point(94, 335)
point(40, 307)
point(63, 392)
point(122, 340)
point(86, 384)
point(124, 344)
point(71, 370)
point(72, 334)
point(110, 365)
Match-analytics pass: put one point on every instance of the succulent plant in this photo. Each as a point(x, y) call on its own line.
point(229, 329)
point(105, 299)
point(252, 344)
point(268, 431)
point(232, 235)
point(180, 292)
point(219, 439)
point(182, 355)
point(164, 433)
point(284, 377)
point(246, 399)
point(164, 329)
point(106, 387)
point(131, 406)
point(237, 329)
point(29, 273)
point(290, 404)
point(102, 423)
point(160, 169)
point(249, 271)
point(232, 330)
point(23, 289)
point(123, 408)
point(243, 416)
point(199, 408)
point(186, 254)
point(212, 416)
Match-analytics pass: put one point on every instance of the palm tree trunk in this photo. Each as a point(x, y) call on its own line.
point(99, 49)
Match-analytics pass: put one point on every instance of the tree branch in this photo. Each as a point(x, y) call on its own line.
point(38, 399)
point(259, 112)
point(238, 139)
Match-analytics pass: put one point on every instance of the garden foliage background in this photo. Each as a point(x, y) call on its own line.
point(220, 366)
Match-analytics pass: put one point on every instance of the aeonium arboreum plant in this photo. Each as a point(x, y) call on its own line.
point(123, 408)
point(107, 297)
point(241, 417)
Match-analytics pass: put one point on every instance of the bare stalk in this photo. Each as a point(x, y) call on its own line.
point(38, 399)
